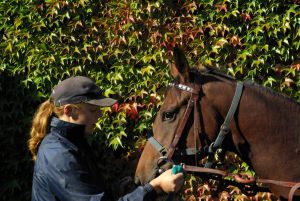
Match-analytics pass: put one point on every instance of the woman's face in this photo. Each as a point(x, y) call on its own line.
point(87, 115)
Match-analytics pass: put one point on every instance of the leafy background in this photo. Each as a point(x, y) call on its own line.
point(125, 46)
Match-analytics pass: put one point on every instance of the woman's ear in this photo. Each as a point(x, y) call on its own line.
point(70, 111)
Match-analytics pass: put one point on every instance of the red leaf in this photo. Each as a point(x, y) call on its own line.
point(246, 17)
point(133, 112)
point(296, 65)
point(153, 99)
point(221, 7)
point(235, 40)
point(115, 107)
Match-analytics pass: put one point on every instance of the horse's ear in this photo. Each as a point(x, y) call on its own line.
point(181, 67)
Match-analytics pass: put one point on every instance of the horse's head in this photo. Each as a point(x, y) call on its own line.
point(197, 129)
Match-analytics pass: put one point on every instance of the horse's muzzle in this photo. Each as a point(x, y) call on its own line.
point(137, 181)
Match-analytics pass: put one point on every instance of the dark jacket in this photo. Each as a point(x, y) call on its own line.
point(64, 172)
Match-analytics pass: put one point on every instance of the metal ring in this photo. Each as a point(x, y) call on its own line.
point(163, 159)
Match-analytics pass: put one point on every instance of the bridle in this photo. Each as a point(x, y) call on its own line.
point(209, 150)
point(193, 103)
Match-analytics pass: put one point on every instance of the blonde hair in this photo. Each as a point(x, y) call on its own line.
point(40, 124)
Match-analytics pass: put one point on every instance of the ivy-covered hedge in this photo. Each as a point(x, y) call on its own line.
point(125, 46)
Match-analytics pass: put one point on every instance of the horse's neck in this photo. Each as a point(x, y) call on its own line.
point(259, 107)
point(265, 130)
point(261, 117)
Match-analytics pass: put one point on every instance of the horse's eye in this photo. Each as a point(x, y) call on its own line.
point(167, 116)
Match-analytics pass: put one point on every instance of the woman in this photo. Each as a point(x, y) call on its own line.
point(64, 168)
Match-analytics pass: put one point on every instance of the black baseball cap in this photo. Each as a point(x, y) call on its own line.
point(79, 89)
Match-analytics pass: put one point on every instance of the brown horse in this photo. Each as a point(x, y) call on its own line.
point(264, 130)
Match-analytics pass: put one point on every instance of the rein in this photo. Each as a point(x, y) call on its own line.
point(245, 179)
point(167, 153)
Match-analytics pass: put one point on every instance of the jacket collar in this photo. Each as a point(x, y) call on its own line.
point(73, 132)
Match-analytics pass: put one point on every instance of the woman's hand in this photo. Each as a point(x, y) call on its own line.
point(168, 182)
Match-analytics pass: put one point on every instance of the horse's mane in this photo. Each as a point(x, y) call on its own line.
point(212, 72)
point(219, 74)
point(270, 91)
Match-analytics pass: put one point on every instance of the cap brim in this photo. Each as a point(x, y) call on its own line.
point(104, 102)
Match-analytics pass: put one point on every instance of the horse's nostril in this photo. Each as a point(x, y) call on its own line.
point(137, 181)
